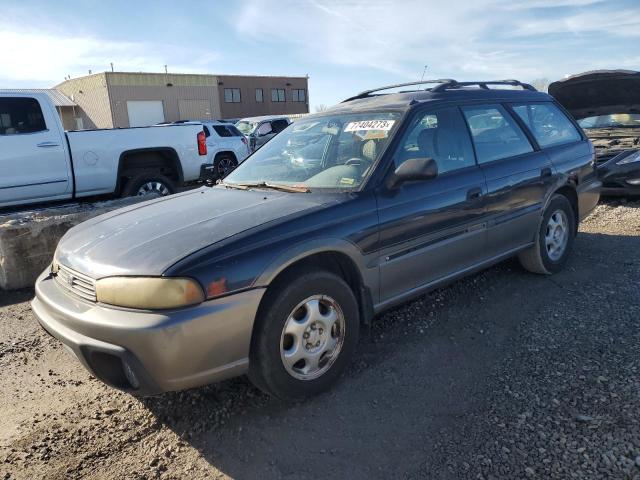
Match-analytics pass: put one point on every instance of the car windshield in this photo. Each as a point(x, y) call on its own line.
point(333, 152)
point(246, 127)
point(611, 121)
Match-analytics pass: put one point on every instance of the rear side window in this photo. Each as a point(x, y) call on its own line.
point(20, 115)
point(279, 125)
point(495, 134)
point(206, 131)
point(441, 135)
point(234, 131)
point(547, 123)
point(222, 131)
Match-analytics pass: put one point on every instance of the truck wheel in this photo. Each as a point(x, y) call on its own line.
point(148, 184)
point(553, 241)
point(304, 336)
point(223, 164)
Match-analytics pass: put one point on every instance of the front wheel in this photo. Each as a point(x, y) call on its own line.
point(304, 336)
point(554, 239)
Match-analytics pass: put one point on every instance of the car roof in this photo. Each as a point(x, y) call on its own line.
point(445, 91)
point(264, 117)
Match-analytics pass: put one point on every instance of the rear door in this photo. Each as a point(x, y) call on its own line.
point(432, 229)
point(518, 176)
point(33, 157)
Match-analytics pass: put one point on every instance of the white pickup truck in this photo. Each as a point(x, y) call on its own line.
point(40, 162)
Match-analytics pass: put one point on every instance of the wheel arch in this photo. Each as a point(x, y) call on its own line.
point(336, 256)
point(225, 152)
point(568, 191)
point(139, 159)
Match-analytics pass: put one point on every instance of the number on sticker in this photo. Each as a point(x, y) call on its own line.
point(369, 125)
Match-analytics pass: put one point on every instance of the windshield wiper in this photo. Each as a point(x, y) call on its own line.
point(273, 186)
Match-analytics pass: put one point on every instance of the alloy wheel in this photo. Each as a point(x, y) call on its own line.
point(153, 187)
point(312, 337)
point(557, 235)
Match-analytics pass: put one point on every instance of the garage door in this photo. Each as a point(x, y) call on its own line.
point(145, 113)
point(195, 109)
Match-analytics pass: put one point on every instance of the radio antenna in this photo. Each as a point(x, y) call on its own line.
point(424, 70)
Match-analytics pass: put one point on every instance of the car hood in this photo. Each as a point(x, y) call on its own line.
point(601, 92)
point(146, 239)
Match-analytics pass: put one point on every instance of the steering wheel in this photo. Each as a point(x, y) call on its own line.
point(354, 161)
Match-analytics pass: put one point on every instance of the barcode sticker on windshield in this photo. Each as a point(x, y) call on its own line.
point(369, 125)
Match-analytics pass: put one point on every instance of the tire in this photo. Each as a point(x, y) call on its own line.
point(224, 164)
point(148, 183)
point(271, 342)
point(542, 258)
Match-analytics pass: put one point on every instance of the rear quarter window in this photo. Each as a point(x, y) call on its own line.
point(223, 131)
point(548, 124)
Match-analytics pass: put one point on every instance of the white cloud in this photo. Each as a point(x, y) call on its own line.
point(489, 39)
point(44, 58)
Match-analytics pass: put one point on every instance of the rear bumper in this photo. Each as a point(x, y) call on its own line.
point(147, 353)
point(207, 172)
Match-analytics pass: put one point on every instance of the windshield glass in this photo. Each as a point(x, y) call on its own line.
point(611, 121)
point(335, 152)
point(246, 127)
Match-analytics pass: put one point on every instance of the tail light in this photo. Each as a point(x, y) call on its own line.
point(202, 143)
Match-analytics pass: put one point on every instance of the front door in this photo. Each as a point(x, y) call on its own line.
point(433, 229)
point(33, 160)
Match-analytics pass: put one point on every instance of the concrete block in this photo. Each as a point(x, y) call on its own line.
point(28, 239)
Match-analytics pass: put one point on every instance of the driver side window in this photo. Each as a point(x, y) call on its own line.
point(441, 135)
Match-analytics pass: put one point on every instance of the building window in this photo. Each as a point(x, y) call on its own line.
point(232, 95)
point(259, 95)
point(277, 95)
point(299, 95)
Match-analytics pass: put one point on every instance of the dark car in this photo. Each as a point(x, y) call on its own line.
point(606, 104)
point(273, 271)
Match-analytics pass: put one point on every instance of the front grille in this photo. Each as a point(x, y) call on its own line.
point(76, 283)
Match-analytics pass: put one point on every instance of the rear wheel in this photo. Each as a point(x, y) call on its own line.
point(305, 335)
point(148, 183)
point(223, 164)
point(554, 239)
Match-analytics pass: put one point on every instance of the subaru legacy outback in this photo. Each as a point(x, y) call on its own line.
point(344, 214)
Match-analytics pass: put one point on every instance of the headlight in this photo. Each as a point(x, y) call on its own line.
point(149, 293)
point(634, 157)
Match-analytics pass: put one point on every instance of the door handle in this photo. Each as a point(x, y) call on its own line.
point(48, 144)
point(545, 172)
point(474, 193)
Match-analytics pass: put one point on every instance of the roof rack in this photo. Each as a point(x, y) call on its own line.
point(452, 84)
point(367, 93)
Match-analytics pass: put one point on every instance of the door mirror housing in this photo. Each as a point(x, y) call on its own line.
point(413, 169)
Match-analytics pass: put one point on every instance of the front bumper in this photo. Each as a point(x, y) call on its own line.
point(615, 177)
point(145, 352)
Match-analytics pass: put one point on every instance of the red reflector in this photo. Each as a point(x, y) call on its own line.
point(202, 143)
point(244, 140)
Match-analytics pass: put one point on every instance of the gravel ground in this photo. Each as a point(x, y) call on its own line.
point(501, 375)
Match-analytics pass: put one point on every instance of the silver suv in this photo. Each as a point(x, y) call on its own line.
point(259, 130)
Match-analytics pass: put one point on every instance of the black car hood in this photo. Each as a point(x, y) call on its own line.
point(146, 239)
point(600, 92)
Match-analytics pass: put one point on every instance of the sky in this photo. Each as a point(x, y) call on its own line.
point(345, 46)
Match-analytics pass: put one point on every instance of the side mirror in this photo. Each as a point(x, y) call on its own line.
point(413, 169)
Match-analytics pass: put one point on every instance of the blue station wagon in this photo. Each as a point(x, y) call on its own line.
point(344, 214)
